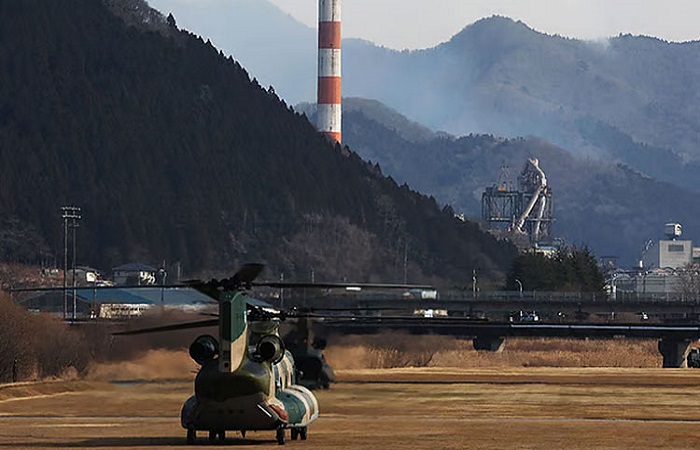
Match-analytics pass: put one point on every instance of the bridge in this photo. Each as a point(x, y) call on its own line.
point(488, 319)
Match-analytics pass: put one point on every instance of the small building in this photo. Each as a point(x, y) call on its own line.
point(134, 274)
point(657, 283)
point(664, 253)
point(85, 275)
point(115, 303)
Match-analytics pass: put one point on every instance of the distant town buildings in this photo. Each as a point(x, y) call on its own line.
point(663, 270)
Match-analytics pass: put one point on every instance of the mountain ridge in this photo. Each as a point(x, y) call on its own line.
point(554, 87)
point(611, 208)
point(176, 154)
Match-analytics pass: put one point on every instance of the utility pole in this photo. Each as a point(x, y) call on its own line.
point(71, 216)
point(281, 291)
point(163, 274)
point(65, 262)
point(405, 260)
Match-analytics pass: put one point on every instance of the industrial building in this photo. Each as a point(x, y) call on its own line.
point(664, 269)
point(526, 211)
point(670, 252)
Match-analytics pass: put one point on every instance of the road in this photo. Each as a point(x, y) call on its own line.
point(526, 408)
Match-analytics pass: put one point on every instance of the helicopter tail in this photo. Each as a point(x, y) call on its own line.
point(233, 331)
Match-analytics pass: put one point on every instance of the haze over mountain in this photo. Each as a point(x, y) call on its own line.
point(498, 76)
point(628, 99)
point(175, 154)
point(274, 47)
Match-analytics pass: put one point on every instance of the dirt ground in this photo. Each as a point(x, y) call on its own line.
point(407, 408)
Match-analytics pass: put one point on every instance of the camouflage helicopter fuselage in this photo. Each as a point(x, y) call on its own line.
point(251, 385)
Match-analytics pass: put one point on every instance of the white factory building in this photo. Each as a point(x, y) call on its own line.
point(670, 252)
point(660, 269)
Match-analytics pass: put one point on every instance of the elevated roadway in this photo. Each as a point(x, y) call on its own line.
point(489, 319)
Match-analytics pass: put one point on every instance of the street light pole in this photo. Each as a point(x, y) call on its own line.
point(163, 275)
point(473, 283)
point(520, 287)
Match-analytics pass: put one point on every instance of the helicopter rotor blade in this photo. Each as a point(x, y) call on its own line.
point(348, 286)
point(100, 288)
point(242, 279)
point(173, 327)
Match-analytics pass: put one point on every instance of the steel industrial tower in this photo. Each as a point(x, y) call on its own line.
point(526, 211)
point(329, 75)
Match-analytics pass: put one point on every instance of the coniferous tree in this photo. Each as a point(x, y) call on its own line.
point(570, 269)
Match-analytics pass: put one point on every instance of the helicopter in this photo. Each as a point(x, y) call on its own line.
point(248, 380)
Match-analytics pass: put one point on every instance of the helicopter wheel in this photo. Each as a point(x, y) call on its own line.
point(280, 436)
point(243, 434)
point(191, 435)
point(222, 435)
point(294, 433)
point(302, 433)
point(212, 436)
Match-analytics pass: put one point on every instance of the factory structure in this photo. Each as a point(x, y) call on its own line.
point(665, 269)
point(671, 252)
point(329, 70)
point(524, 213)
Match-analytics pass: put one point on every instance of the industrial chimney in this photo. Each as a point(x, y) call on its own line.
point(329, 80)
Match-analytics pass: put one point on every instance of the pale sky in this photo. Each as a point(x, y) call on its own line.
point(414, 24)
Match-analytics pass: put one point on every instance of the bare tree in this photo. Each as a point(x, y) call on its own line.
point(688, 281)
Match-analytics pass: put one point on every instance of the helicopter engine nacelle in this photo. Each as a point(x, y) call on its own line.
point(204, 349)
point(270, 348)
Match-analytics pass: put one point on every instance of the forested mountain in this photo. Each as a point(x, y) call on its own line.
point(627, 99)
point(609, 207)
point(174, 153)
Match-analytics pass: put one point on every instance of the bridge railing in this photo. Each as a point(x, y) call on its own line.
point(468, 296)
point(525, 295)
point(569, 297)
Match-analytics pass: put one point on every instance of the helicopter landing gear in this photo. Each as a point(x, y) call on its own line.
point(280, 436)
point(214, 435)
point(243, 434)
point(298, 433)
point(191, 436)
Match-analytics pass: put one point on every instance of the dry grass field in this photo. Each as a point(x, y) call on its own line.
point(459, 399)
point(549, 408)
point(400, 350)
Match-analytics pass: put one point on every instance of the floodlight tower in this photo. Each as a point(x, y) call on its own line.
point(71, 215)
point(329, 74)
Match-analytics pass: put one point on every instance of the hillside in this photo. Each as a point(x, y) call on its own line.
point(611, 208)
point(175, 154)
point(627, 99)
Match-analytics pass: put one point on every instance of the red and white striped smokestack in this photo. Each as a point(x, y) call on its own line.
point(329, 81)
